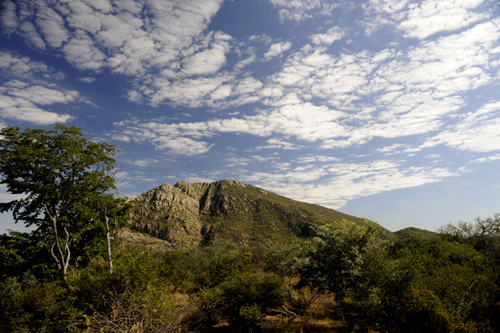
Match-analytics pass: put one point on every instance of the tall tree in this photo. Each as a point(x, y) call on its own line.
point(66, 180)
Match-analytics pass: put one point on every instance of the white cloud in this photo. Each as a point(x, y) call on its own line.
point(487, 159)
point(42, 95)
point(276, 143)
point(80, 51)
point(210, 60)
point(477, 131)
point(386, 6)
point(22, 66)
point(357, 96)
point(29, 31)
point(303, 121)
point(8, 16)
point(394, 93)
point(421, 19)
point(277, 49)
point(145, 163)
point(7, 197)
point(317, 158)
point(237, 161)
point(298, 10)
point(21, 101)
point(87, 79)
point(52, 27)
point(19, 109)
point(331, 35)
point(333, 184)
point(222, 92)
point(128, 37)
point(432, 16)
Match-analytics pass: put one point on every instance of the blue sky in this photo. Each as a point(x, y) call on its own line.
point(387, 109)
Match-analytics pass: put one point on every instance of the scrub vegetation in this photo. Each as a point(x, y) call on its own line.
point(349, 277)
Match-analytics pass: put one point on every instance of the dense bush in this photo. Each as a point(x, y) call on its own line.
point(436, 286)
point(202, 268)
point(243, 298)
point(416, 285)
point(412, 285)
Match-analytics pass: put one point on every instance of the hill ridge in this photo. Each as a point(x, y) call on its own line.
point(225, 211)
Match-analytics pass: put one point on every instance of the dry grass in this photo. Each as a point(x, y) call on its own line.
point(317, 318)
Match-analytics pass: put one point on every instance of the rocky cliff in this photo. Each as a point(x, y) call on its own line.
point(226, 211)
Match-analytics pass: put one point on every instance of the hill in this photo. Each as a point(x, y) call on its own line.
point(227, 211)
point(415, 232)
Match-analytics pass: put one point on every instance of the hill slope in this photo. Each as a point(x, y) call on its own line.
point(227, 211)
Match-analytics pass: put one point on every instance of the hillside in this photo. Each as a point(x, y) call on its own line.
point(227, 211)
point(415, 232)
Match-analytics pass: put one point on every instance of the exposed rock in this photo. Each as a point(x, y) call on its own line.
point(226, 211)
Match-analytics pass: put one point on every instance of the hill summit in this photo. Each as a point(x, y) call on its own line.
point(226, 211)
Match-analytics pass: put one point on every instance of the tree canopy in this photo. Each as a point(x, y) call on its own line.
point(67, 183)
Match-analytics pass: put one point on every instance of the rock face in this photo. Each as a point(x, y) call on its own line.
point(190, 214)
point(175, 213)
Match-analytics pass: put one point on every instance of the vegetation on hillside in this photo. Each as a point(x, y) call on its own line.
point(350, 277)
point(188, 215)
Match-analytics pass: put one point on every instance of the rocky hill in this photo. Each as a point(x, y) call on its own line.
point(226, 211)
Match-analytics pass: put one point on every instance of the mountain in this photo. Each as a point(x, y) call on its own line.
point(224, 212)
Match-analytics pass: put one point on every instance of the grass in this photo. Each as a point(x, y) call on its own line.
point(315, 319)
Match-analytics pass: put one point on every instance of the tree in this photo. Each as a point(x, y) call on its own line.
point(483, 234)
point(346, 260)
point(67, 182)
point(340, 257)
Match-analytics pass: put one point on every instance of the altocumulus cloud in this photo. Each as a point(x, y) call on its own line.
point(334, 101)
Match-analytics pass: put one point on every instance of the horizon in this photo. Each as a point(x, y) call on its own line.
point(383, 109)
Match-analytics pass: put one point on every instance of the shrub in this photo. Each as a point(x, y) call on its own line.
point(435, 286)
point(153, 310)
point(242, 297)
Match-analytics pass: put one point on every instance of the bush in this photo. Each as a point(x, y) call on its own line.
point(36, 307)
point(435, 286)
point(242, 297)
point(202, 268)
point(153, 310)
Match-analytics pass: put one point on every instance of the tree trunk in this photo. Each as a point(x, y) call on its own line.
point(108, 240)
point(64, 256)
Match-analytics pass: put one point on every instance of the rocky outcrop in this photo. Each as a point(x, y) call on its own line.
point(175, 213)
point(226, 211)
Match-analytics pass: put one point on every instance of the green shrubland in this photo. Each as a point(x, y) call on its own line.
point(411, 285)
point(71, 274)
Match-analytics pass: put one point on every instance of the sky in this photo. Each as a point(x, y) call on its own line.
point(385, 109)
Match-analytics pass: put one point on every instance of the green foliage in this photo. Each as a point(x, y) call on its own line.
point(483, 234)
point(35, 306)
point(281, 258)
point(25, 256)
point(241, 297)
point(414, 285)
point(66, 181)
point(152, 310)
point(339, 258)
point(230, 213)
point(203, 268)
point(415, 232)
point(435, 286)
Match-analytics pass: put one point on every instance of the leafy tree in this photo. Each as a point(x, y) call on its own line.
point(66, 181)
point(24, 256)
point(483, 234)
point(435, 286)
point(346, 260)
point(339, 258)
point(489, 226)
point(243, 297)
